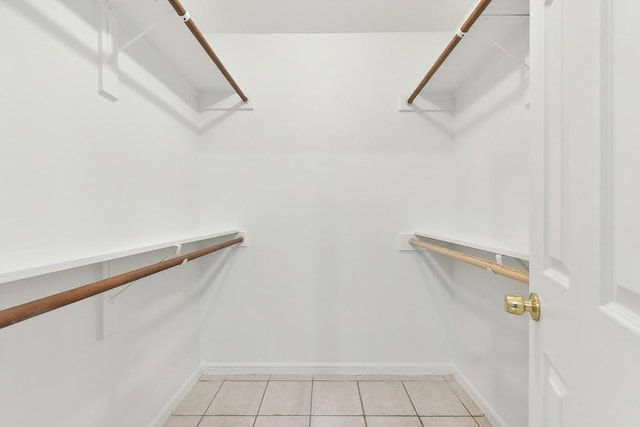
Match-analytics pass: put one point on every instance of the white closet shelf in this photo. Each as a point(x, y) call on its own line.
point(23, 265)
point(481, 244)
point(500, 23)
point(157, 23)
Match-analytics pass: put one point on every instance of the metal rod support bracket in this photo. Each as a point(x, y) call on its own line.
point(501, 48)
point(178, 249)
point(144, 32)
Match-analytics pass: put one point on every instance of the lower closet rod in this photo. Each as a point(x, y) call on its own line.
point(34, 308)
point(512, 273)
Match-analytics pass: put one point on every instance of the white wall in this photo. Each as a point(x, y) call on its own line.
point(101, 171)
point(79, 171)
point(57, 370)
point(324, 174)
point(492, 150)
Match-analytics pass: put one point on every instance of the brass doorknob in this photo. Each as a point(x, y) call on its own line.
point(516, 304)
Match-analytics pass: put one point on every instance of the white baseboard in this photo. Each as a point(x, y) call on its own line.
point(177, 397)
point(221, 368)
point(476, 396)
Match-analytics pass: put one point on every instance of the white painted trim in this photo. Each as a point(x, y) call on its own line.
point(489, 411)
point(623, 316)
point(177, 397)
point(224, 368)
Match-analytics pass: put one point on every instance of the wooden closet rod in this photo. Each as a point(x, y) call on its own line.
point(31, 309)
point(182, 12)
point(466, 26)
point(512, 273)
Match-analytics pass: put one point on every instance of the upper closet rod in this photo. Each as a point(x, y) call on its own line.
point(512, 273)
point(466, 26)
point(31, 309)
point(182, 12)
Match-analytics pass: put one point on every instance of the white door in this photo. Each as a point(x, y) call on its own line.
point(585, 350)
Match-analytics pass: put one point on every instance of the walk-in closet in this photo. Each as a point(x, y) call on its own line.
point(319, 213)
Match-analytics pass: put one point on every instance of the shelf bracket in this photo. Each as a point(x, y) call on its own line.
point(177, 250)
point(110, 311)
point(160, 21)
point(108, 78)
point(501, 48)
point(523, 263)
point(108, 49)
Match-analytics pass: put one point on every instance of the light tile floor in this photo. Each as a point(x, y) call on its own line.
point(327, 401)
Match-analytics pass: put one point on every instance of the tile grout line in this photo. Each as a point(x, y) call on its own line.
point(311, 402)
point(255, 420)
point(210, 403)
point(460, 400)
point(412, 405)
point(364, 415)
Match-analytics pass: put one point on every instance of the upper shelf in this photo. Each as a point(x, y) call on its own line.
point(23, 265)
point(163, 24)
point(486, 29)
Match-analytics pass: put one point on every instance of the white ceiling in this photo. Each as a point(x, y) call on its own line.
point(327, 16)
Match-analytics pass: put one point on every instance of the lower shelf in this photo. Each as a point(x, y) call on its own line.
point(25, 265)
point(481, 244)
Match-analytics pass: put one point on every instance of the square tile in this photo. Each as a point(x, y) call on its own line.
point(238, 398)
point(393, 422)
point(337, 421)
point(287, 398)
point(198, 399)
point(286, 421)
point(483, 422)
point(449, 422)
point(435, 398)
point(466, 399)
point(385, 398)
point(336, 398)
point(182, 421)
point(221, 421)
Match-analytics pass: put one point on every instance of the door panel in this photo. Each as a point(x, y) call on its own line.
point(556, 395)
point(584, 351)
point(622, 153)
